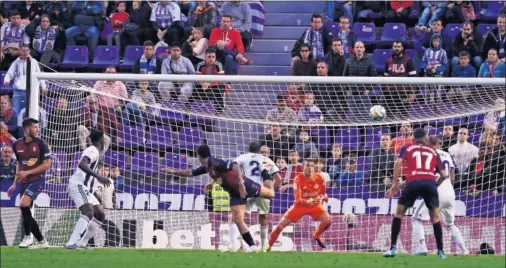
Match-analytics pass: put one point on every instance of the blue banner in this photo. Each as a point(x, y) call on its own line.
point(359, 200)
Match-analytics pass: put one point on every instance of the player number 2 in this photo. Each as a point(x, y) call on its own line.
point(256, 170)
point(418, 157)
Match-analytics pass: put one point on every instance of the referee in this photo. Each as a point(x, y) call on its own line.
point(34, 159)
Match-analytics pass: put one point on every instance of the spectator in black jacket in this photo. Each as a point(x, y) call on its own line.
point(335, 59)
point(202, 15)
point(306, 65)
point(468, 40)
point(319, 46)
point(28, 10)
point(496, 38)
point(449, 138)
point(138, 29)
point(359, 64)
point(382, 164)
point(365, 8)
point(148, 63)
point(60, 20)
point(425, 42)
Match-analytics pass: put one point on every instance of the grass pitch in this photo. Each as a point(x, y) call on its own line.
point(141, 258)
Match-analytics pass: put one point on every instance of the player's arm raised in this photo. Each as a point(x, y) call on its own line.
point(84, 165)
point(186, 173)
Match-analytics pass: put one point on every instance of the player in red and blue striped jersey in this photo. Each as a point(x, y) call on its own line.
point(34, 159)
point(231, 178)
point(421, 161)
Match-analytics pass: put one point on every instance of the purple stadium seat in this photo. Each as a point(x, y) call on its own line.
point(349, 138)
point(420, 111)
point(145, 163)
point(363, 164)
point(161, 51)
point(484, 28)
point(474, 136)
point(477, 119)
point(451, 110)
point(48, 104)
point(492, 11)
point(64, 162)
point(159, 137)
point(175, 111)
point(415, 11)
point(321, 135)
point(365, 32)
point(132, 136)
point(373, 137)
point(333, 27)
point(116, 159)
point(202, 107)
point(379, 57)
point(75, 57)
point(452, 30)
point(392, 32)
point(3, 88)
point(105, 56)
point(132, 53)
point(190, 138)
point(176, 161)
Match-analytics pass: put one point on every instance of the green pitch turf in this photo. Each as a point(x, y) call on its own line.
point(140, 258)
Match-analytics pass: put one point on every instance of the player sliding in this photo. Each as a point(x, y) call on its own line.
point(421, 162)
point(229, 176)
point(34, 159)
point(310, 193)
point(81, 191)
point(251, 164)
point(446, 204)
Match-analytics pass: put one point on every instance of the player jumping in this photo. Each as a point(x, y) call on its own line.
point(310, 193)
point(421, 162)
point(446, 205)
point(229, 176)
point(81, 191)
point(34, 159)
point(251, 164)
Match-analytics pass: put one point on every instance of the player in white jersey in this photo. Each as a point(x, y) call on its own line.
point(80, 188)
point(105, 194)
point(446, 205)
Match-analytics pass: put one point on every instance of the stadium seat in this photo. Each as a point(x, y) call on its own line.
point(159, 137)
point(205, 108)
point(451, 110)
point(412, 54)
point(175, 112)
point(349, 138)
point(231, 137)
point(358, 107)
point(477, 119)
point(373, 137)
point(299, 7)
point(176, 161)
point(333, 27)
point(64, 161)
point(230, 151)
point(162, 52)
point(322, 138)
point(190, 138)
point(272, 46)
point(415, 11)
point(265, 70)
point(484, 28)
point(254, 97)
point(247, 111)
point(269, 59)
point(3, 88)
point(492, 11)
point(287, 19)
point(280, 32)
point(75, 57)
point(48, 104)
point(144, 163)
point(365, 32)
point(132, 136)
point(420, 111)
point(227, 125)
point(379, 57)
point(105, 56)
point(363, 165)
point(116, 159)
point(452, 30)
point(392, 32)
point(474, 136)
point(132, 53)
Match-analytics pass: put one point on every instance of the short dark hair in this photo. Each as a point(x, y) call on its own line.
point(210, 50)
point(280, 97)
point(305, 45)
point(437, 20)
point(464, 53)
point(254, 147)
point(204, 151)
point(398, 41)
point(27, 122)
point(419, 134)
point(316, 16)
point(148, 43)
point(226, 16)
point(468, 22)
point(175, 44)
point(14, 12)
point(337, 39)
point(45, 16)
point(25, 45)
point(436, 36)
point(433, 140)
point(96, 135)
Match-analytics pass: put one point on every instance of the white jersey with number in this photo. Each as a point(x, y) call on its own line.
point(446, 188)
point(105, 193)
point(79, 175)
point(253, 164)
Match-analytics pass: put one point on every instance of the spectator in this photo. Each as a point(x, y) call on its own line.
point(335, 163)
point(61, 128)
point(492, 67)
point(42, 118)
point(43, 43)
point(105, 193)
point(12, 37)
point(17, 76)
point(406, 138)
point(178, 65)
point(212, 91)
point(317, 37)
point(143, 105)
point(399, 10)
point(118, 23)
point(138, 30)
point(496, 38)
point(305, 146)
point(4, 13)
point(463, 69)
point(486, 171)
point(346, 35)
point(470, 41)
point(283, 114)
point(365, 8)
point(328, 96)
point(432, 11)
point(435, 61)
point(195, 47)
point(59, 15)
point(282, 166)
point(492, 118)
point(228, 44)
point(88, 21)
point(7, 165)
point(28, 10)
point(425, 41)
point(306, 65)
point(241, 19)
point(117, 177)
point(463, 152)
point(351, 176)
point(96, 117)
point(309, 112)
point(359, 64)
point(382, 163)
point(320, 168)
point(110, 87)
point(166, 20)
point(338, 9)
point(294, 168)
point(278, 143)
point(461, 11)
point(294, 97)
point(8, 116)
point(448, 139)
point(148, 63)
point(336, 58)
point(204, 15)
point(265, 151)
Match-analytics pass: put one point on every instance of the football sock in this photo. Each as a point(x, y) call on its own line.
point(419, 233)
point(396, 229)
point(35, 229)
point(232, 235)
point(264, 229)
point(457, 237)
point(79, 229)
point(92, 229)
point(27, 222)
point(275, 234)
point(438, 233)
point(248, 239)
point(324, 225)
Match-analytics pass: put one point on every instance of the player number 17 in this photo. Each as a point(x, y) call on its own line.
point(418, 157)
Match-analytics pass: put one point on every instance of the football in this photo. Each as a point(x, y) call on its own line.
point(377, 112)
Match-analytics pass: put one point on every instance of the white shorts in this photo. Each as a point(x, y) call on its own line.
point(446, 207)
point(81, 195)
point(263, 204)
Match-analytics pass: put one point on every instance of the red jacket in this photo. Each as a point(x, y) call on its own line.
point(398, 4)
point(232, 39)
point(106, 120)
point(121, 17)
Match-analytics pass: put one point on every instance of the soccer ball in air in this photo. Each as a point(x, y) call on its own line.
point(377, 112)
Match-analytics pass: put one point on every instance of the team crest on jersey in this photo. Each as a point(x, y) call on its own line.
point(31, 162)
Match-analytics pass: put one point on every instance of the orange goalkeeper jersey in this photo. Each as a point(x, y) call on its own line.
point(305, 189)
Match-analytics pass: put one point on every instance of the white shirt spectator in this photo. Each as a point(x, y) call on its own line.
point(463, 154)
point(17, 74)
point(105, 193)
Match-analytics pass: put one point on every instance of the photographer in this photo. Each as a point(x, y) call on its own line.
point(176, 64)
point(468, 40)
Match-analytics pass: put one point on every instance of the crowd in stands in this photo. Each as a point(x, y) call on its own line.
point(211, 38)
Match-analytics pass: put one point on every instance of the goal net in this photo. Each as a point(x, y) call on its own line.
point(150, 125)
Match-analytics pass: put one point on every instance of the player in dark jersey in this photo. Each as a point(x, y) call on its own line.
point(34, 159)
point(230, 177)
point(421, 162)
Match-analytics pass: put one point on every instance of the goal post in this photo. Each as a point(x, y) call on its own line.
point(155, 210)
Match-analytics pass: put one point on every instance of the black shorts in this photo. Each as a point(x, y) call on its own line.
point(427, 189)
point(32, 189)
point(252, 190)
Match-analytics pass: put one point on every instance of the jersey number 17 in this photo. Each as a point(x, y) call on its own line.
point(418, 158)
